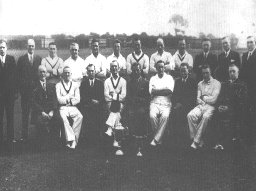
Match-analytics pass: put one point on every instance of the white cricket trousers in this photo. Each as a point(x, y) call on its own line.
point(159, 116)
point(198, 119)
point(71, 132)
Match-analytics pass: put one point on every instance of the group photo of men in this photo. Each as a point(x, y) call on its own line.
point(208, 101)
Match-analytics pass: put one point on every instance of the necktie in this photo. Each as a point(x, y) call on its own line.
point(2, 61)
point(226, 54)
point(44, 87)
point(31, 59)
point(249, 55)
point(205, 56)
point(91, 83)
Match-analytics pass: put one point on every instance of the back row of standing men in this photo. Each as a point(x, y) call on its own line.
point(24, 77)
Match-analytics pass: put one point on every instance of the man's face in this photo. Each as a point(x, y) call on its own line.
point(160, 68)
point(206, 74)
point(52, 50)
point(182, 45)
point(91, 72)
point(74, 50)
point(184, 72)
point(117, 48)
point(95, 48)
point(233, 72)
point(137, 46)
point(42, 73)
point(67, 74)
point(250, 43)
point(206, 46)
point(160, 46)
point(136, 71)
point(114, 68)
point(225, 44)
point(3, 49)
point(31, 47)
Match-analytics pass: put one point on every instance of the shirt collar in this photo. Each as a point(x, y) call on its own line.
point(3, 58)
point(227, 52)
point(178, 53)
point(184, 79)
point(159, 53)
point(139, 54)
point(252, 51)
point(209, 82)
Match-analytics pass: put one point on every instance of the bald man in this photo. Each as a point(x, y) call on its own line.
point(161, 54)
point(27, 67)
point(68, 96)
point(44, 104)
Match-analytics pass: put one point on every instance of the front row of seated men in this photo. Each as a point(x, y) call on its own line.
point(144, 102)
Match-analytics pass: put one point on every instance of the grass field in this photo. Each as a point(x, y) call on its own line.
point(90, 169)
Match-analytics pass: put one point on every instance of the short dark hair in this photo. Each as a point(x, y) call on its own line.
point(158, 62)
point(52, 43)
point(233, 65)
point(184, 64)
point(206, 39)
point(90, 65)
point(181, 39)
point(3, 41)
point(136, 38)
point(206, 66)
point(94, 40)
point(117, 41)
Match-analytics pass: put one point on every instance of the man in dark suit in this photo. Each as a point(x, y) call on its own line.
point(92, 98)
point(247, 74)
point(225, 59)
point(230, 112)
point(8, 90)
point(138, 98)
point(44, 108)
point(183, 100)
point(204, 58)
point(27, 76)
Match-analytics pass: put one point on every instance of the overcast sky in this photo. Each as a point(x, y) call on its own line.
point(219, 17)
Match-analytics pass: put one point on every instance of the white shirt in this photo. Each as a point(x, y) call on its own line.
point(166, 57)
point(3, 58)
point(250, 53)
point(120, 59)
point(30, 57)
point(68, 93)
point(120, 89)
point(77, 67)
point(143, 61)
point(227, 53)
point(186, 58)
point(166, 82)
point(55, 64)
point(100, 63)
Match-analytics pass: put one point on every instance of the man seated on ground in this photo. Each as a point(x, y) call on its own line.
point(137, 102)
point(184, 100)
point(92, 98)
point(160, 88)
point(45, 108)
point(230, 109)
point(68, 96)
point(198, 118)
point(115, 94)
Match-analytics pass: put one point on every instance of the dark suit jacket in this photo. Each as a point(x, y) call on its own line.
point(221, 72)
point(87, 93)
point(248, 74)
point(137, 93)
point(27, 74)
point(211, 60)
point(44, 101)
point(185, 93)
point(8, 76)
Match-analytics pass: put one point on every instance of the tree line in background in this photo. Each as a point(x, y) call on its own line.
point(148, 41)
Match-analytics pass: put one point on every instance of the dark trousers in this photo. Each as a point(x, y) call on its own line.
point(7, 106)
point(26, 109)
